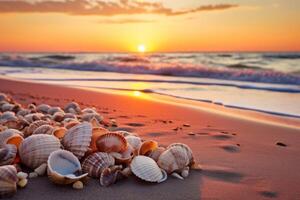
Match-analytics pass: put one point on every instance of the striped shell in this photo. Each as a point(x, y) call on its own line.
point(156, 153)
point(8, 181)
point(33, 117)
point(78, 139)
point(175, 158)
point(64, 167)
point(36, 149)
point(111, 142)
point(44, 129)
point(95, 163)
point(10, 136)
point(33, 126)
point(146, 169)
point(97, 132)
point(186, 147)
point(8, 154)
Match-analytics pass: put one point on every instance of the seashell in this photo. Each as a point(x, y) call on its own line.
point(95, 122)
point(35, 149)
point(10, 136)
point(126, 172)
point(33, 126)
point(111, 142)
point(96, 162)
point(109, 177)
point(8, 180)
point(41, 170)
point(147, 147)
point(175, 159)
point(54, 110)
point(185, 172)
point(23, 112)
point(43, 108)
point(44, 129)
point(70, 116)
point(187, 149)
point(124, 157)
point(134, 141)
point(4, 97)
point(89, 110)
point(126, 133)
point(72, 107)
point(95, 135)
point(64, 167)
point(9, 119)
point(58, 116)
point(33, 175)
point(22, 183)
point(156, 153)
point(8, 154)
point(7, 107)
point(78, 185)
point(176, 175)
point(33, 117)
point(89, 116)
point(59, 132)
point(32, 107)
point(78, 139)
point(146, 169)
point(71, 123)
point(22, 175)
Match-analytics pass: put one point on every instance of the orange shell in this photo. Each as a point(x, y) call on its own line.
point(111, 142)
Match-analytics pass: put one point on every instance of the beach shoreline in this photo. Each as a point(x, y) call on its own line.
point(239, 154)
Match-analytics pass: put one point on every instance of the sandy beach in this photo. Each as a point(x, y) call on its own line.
point(240, 156)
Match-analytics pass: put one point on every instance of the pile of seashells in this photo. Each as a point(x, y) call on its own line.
point(71, 144)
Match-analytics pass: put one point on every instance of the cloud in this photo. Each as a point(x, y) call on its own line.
point(124, 21)
point(100, 7)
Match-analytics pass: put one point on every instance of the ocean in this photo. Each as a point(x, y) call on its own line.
point(265, 82)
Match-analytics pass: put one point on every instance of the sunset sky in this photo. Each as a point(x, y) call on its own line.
point(159, 25)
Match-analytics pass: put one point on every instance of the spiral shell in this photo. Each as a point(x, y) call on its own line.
point(44, 129)
point(111, 142)
point(35, 149)
point(64, 167)
point(175, 158)
point(43, 108)
point(109, 176)
point(72, 107)
point(8, 180)
point(8, 154)
point(10, 136)
point(147, 147)
point(78, 139)
point(146, 169)
point(33, 126)
point(96, 162)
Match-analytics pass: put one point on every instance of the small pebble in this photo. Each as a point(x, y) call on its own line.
point(33, 175)
point(22, 183)
point(22, 175)
point(281, 144)
point(78, 185)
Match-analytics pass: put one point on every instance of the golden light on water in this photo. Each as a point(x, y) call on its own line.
point(137, 93)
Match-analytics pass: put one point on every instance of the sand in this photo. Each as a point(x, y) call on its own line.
point(240, 157)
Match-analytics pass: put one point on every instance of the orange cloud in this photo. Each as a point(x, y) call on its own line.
point(100, 7)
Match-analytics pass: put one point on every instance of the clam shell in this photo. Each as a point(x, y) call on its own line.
point(89, 110)
point(175, 158)
point(8, 180)
point(124, 157)
point(33, 117)
point(58, 116)
point(186, 147)
point(146, 169)
point(111, 142)
point(97, 132)
point(147, 147)
point(23, 112)
point(134, 141)
point(64, 167)
point(54, 110)
point(10, 136)
point(9, 119)
point(70, 123)
point(36, 149)
point(7, 107)
point(96, 162)
point(59, 132)
point(72, 107)
point(70, 116)
point(43, 108)
point(78, 139)
point(33, 126)
point(109, 177)
point(8, 154)
point(89, 116)
point(44, 129)
point(156, 153)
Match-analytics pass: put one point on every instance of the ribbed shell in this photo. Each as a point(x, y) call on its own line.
point(8, 116)
point(175, 158)
point(43, 108)
point(146, 169)
point(72, 107)
point(64, 167)
point(53, 110)
point(8, 180)
point(134, 141)
point(33, 117)
point(58, 116)
point(36, 149)
point(78, 138)
point(10, 136)
point(8, 154)
point(33, 126)
point(186, 147)
point(111, 142)
point(156, 153)
point(89, 116)
point(44, 129)
point(95, 163)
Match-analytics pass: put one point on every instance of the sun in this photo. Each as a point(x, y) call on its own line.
point(141, 48)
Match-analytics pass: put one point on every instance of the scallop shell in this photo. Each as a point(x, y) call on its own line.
point(43, 108)
point(8, 154)
point(35, 149)
point(97, 132)
point(64, 167)
point(10, 136)
point(124, 157)
point(175, 158)
point(89, 110)
point(89, 116)
point(33, 117)
point(44, 129)
point(54, 110)
point(134, 141)
point(156, 153)
point(72, 107)
point(147, 147)
point(186, 147)
point(146, 169)
point(33, 126)
point(58, 116)
point(96, 162)
point(9, 119)
point(8, 180)
point(78, 139)
point(111, 142)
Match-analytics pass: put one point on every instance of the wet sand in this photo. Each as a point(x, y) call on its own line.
point(241, 158)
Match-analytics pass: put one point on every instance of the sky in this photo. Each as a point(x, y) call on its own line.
point(154, 25)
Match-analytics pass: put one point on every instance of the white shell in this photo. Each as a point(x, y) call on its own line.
point(64, 167)
point(78, 138)
point(36, 149)
point(134, 141)
point(8, 180)
point(146, 169)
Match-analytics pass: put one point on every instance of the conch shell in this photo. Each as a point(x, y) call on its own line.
point(8, 180)
point(64, 167)
point(111, 142)
point(8, 154)
point(36, 149)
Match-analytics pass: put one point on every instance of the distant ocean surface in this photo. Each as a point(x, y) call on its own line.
point(266, 82)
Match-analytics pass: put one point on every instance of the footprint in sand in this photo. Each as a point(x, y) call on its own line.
point(232, 148)
point(222, 173)
point(135, 124)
